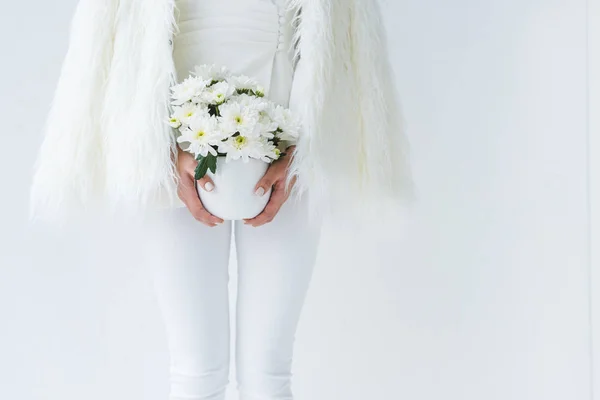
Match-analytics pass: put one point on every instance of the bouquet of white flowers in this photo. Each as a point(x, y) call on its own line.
point(220, 114)
point(221, 118)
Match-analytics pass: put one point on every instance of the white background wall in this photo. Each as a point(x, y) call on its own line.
point(594, 181)
point(485, 295)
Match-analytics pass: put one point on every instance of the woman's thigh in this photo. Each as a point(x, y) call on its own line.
point(275, 264)
point(190, 262)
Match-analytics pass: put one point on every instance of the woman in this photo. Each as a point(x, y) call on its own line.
point(107, 143)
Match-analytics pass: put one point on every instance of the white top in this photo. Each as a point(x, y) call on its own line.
point(250, 37)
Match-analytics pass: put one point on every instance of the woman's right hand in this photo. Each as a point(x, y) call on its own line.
point(186, 166)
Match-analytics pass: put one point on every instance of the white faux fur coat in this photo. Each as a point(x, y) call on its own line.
point(107, 142)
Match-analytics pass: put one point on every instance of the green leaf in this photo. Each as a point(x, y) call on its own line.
point(204, 164)
point(201, 168)
point(212, 163)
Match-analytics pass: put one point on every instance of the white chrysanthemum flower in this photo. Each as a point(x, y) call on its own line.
point(174, 122)
point(248, 125)
point(247, 100)
point(243, 82)
point(268, 151)
point(286, 121)
point(256, 103)
point(188, 89)
point(266, 126)
point(236, 117)
point(212, 73)
point(202, 134)
point(218, 93)
point(188, 112)
point(242, 147)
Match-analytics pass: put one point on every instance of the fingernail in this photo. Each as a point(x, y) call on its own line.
point(260, 191)
point(209, 187)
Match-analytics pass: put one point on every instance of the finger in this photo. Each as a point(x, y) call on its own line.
point(265, 183)
point(206, 183)
point(185, 188)
point(272, 208)
point(202, 215)
point(188, 194)
point(266, 216)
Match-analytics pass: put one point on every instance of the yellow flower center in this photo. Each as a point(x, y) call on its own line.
point(200, 134)
point(240, 141)
point(238, 119)
point(189, 114)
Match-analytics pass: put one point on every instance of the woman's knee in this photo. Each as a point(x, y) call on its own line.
point(199, 382)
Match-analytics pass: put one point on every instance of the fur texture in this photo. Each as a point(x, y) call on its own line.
point(353, 155)
point(107, 141)
point(70, 169)
point(140, 148)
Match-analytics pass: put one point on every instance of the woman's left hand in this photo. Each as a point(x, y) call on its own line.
point(274, 179)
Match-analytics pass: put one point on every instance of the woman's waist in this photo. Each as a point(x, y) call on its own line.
point(219, 36)
point(225, 19)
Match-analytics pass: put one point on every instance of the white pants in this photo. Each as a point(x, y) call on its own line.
point(275, 265)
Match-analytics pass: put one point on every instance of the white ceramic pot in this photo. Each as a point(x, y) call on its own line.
point(233, 197)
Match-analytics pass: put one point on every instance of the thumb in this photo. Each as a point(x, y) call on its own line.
point(265, 184)
point(206, 183)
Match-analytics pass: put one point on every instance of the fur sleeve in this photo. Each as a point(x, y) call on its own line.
point(352, 156)
point(386, 148)
point(66, 171)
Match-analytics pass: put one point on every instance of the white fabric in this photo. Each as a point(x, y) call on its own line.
point(275, 261)
point(250, 37)
point(275, 264)
point(107, 144)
